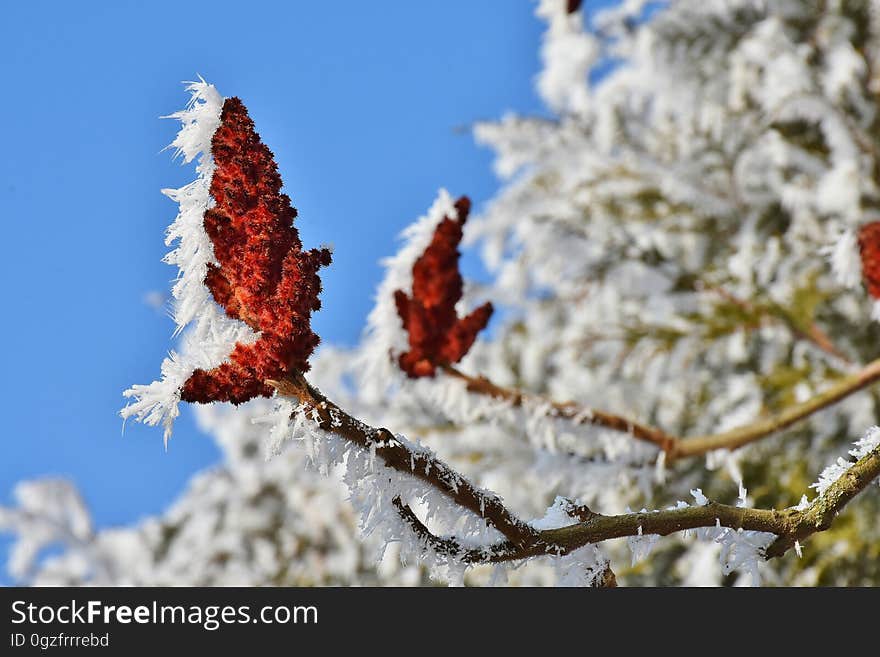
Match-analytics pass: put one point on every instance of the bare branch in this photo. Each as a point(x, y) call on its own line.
point(677, 447)
point(567, 410)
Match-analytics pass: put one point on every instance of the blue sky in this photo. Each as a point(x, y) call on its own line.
point(360, 102)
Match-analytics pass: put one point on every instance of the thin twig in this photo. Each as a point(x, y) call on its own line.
point(566, 410)
point(676, 447)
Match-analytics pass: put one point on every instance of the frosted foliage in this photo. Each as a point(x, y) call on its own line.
point(46, 511)
point(726, 156)
point(844, 259)
point(729, 146)
point(568, 54)
point(674, 241)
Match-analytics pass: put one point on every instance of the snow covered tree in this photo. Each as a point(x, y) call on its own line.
point(685, 265)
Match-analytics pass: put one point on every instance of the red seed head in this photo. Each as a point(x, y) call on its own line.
point(437, 336)
point(264, 278)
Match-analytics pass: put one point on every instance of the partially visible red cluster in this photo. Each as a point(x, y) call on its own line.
point(869, 248)
point(572, 6)
point(265, 279)
point(437, 336)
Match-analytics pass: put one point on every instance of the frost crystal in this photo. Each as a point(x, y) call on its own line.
point(640, 546)
point(556, 516)
point(699, 498)
point(844, 259)
point(864, 446)
point(582, 567)
point(743, 550)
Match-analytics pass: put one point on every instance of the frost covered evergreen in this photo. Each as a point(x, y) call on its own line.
point(675, 242)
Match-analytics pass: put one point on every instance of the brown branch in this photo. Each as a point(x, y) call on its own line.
point(821, 339)
point(503, 551)
point(789, 525)
point(522, 541)
point(676, 447)
point(566, 410)
point(396, 455)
